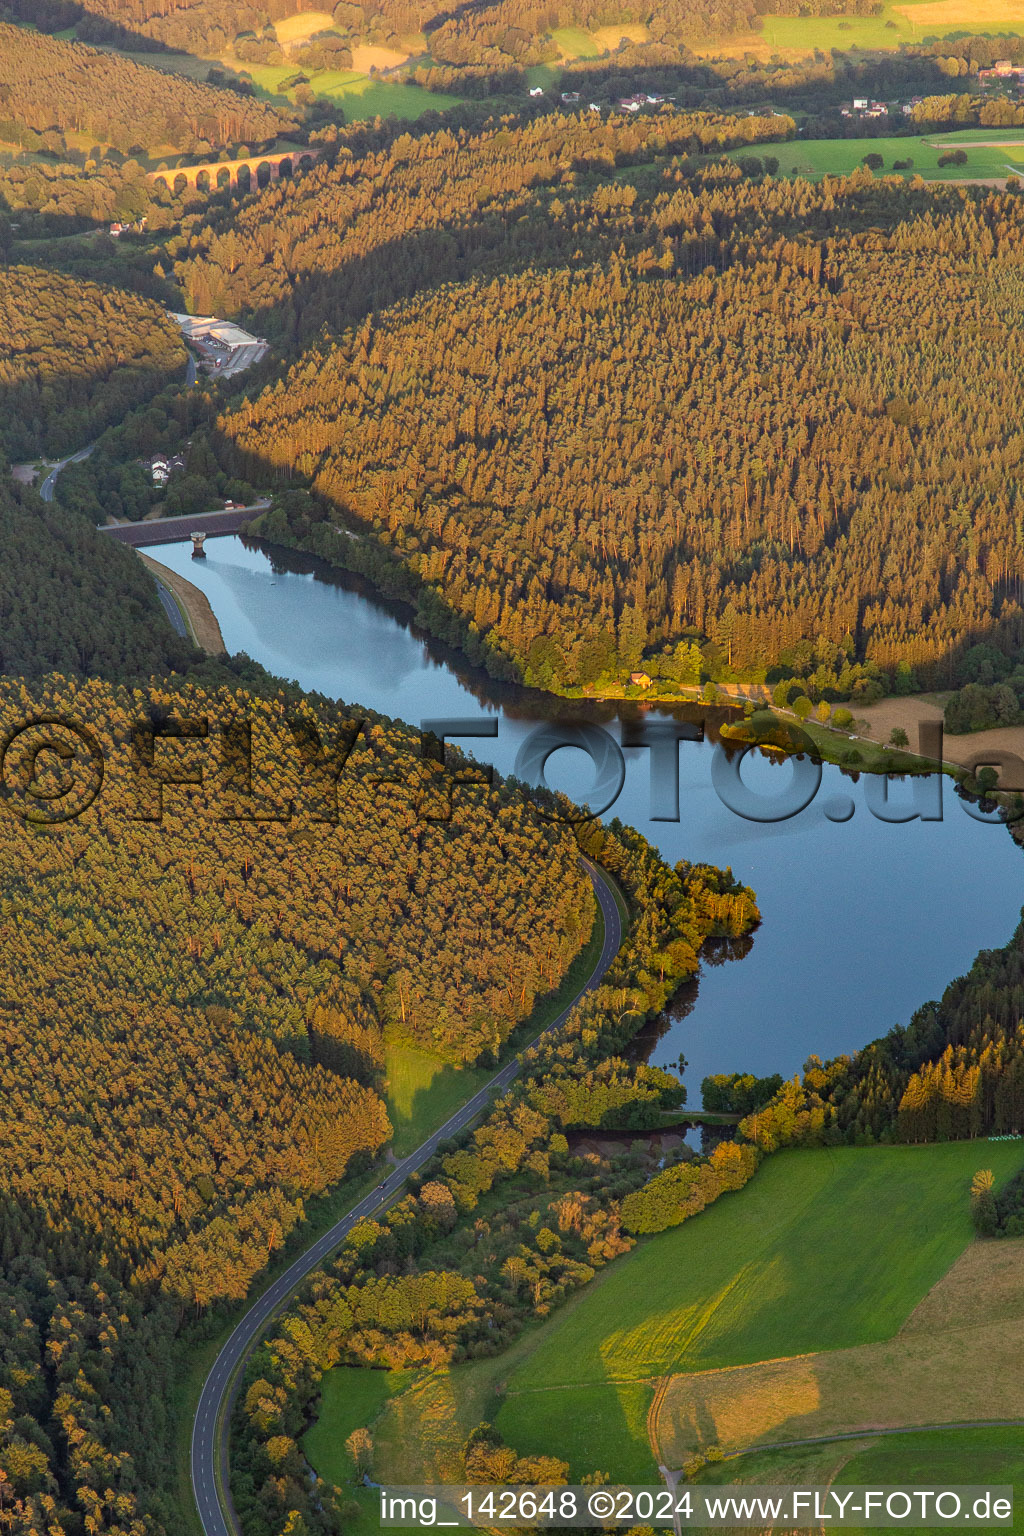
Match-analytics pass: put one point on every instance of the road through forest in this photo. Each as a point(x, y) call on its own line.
point(209, 1430)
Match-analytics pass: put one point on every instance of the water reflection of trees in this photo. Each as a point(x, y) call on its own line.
point(517, 701)
point(682, 1003)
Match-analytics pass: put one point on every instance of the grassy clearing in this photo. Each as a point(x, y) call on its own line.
point(293, 31)
point(351, 1398)
point(594, 1429)
point(815, 158)
point(366, 57)
point(912, 21)
point(823, 1250)
point(364, 98)
point(609, 38)
point(423, 1091)
point(576, 43)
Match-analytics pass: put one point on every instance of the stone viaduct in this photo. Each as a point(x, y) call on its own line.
point(243, 174)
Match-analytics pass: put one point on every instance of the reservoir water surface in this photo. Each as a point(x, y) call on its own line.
point(863, 920)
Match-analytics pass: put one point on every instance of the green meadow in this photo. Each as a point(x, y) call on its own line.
point(905, 21)
point(838, 157)
point(821, 1250)
point(990, 1454)
point(576, 43)
point(351, 1399)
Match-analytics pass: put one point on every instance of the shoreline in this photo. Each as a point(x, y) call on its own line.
point(199, 616)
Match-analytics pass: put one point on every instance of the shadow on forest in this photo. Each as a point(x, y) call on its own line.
point(500, 243)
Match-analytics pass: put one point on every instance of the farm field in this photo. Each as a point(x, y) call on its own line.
point(950, 1361)
point(838, 157)
point(992, 1454)
point(825, 1251)
point(911, 21)
point(772, 1271)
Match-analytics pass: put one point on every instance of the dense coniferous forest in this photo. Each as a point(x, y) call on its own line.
point(390, 219)
point(46, 83)
point(74, 601)
point(171, 989)
point(74, 358)
point(784, 437)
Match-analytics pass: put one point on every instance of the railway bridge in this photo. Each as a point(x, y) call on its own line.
point(245, 175)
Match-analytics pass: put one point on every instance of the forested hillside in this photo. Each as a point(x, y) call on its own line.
point(74, 357)
point(74, 601)
point(205, 27)
point(500, 33)
point(516, 29)
point(168, 989)
point(783, 436)
point(385, 222)
point(47, 83)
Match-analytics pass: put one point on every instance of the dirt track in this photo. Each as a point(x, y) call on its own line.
point(879, 719)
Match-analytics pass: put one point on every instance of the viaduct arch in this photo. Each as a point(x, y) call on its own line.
point(234, 173)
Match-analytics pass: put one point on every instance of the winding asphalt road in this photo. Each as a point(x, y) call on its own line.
point(209, 1431)
point(46, 489)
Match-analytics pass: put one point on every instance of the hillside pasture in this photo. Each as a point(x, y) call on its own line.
point(912, 21)
point(814, 158)
point(294, 31)
point(822, 1250)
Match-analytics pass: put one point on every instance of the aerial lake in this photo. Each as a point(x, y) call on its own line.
point(863, 920)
